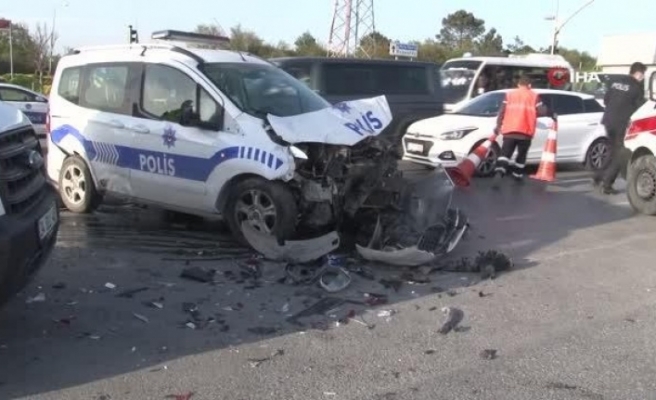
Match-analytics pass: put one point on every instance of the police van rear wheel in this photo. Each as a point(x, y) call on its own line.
point(268, 207)
point(641, 184)
point(76, 187)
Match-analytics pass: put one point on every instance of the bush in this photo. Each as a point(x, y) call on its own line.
point(29, 81)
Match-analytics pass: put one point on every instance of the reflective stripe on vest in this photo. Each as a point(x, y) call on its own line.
point(521, 112)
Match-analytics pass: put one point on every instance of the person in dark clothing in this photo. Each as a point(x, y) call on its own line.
point(623, 97)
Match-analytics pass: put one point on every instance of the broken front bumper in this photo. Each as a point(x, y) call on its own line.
point(426, 210)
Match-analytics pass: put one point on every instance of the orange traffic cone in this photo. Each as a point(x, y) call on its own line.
point(461, 175)
point(547, 169)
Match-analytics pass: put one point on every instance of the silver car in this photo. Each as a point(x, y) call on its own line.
point(34, 105)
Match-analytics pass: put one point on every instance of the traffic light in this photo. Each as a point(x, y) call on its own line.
point(134, 36)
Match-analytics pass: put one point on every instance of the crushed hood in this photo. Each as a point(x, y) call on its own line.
point(345, 123)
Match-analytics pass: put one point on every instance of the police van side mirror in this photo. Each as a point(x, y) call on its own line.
point(652, 86)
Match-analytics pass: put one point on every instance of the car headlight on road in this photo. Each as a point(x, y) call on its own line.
point(457, 134)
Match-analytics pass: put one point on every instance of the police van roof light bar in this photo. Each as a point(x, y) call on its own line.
point(191, 37)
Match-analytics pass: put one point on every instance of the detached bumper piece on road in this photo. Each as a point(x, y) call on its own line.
point(436, 241)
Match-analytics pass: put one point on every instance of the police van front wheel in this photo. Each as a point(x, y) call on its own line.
point(76, 187)
point(267, 206)
point(641, 184)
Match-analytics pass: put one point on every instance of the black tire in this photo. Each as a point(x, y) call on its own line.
point(641, 184)
point(486, 169)
point(594, 161)
point(85, 198)
point(277, 194)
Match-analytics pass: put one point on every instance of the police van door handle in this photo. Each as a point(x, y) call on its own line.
point(139, 129)
point(113, 123)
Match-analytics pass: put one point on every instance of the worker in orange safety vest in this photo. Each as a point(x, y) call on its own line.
point(517, 121)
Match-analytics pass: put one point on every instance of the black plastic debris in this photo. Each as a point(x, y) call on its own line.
point(488, 354)
point(198, 274)
point(255, 362)
point(394, 284)
point(321, 307)
point(59, 285)
point(453, 317)
point(263, 330)
point(128, 294)
point(487, 263)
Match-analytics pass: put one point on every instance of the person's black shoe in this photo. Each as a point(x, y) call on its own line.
point(608, 191)
point(596, 182)
point(518, 178)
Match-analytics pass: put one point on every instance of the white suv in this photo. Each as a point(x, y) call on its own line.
point(215, 133)
point(640, 139)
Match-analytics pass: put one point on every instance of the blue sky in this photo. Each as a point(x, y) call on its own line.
point(95, 22)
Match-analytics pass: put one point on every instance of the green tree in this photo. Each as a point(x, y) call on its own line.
point(460, 31)
point(23, 50)
point(306, 45)
point(490, 44)
point(519, 47)
point(248, 41)
point(433, 51)
point(374, 45)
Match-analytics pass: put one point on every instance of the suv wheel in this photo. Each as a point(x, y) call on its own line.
point(76, 187)
point(598, 155)
point(641, 184)
point(267, 206)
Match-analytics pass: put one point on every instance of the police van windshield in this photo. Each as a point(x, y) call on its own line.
point(263, 89)
point(485, 105)
point(457, 79)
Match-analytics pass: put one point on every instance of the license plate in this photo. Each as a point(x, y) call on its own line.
point(47, 223)
point(415, 147)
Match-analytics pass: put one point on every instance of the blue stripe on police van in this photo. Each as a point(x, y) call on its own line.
point(186, 167)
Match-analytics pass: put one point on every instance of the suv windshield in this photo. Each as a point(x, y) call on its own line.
point(486, 105)
point(263, 89)
point(457, 79)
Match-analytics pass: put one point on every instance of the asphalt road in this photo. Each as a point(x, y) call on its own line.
point(573, 320)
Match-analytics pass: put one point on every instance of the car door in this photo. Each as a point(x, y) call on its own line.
point(574, 125)
point(541, 132)
point(34, 106)
point(100, 120)
point(172, 161)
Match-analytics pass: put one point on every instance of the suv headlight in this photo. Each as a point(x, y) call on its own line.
point(457, 134)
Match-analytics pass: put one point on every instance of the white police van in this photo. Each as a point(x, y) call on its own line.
point(640, 139)
point(203, 131)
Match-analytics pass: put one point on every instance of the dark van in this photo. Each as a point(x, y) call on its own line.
point(29, 214)
point(412, 88)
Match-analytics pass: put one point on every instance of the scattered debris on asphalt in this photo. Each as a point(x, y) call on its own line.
point(453, 317)
point(255, 362)
point(59, 285)
point(110, 286)
point(128, 294)
point(39, 298)
point(334, 279)
point(263, 330)
point(141, 318)
point(301, 251)
point(487, 263)
point(321, 307)
point(488, 354)
point(187, 396)
point(429, 352)
point(198, 274)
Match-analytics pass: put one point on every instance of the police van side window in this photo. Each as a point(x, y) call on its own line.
point(69, 84)
point(17, 95)
point(106, 88)
point(165, 89)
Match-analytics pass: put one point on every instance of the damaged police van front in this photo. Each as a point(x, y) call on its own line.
point(214, 132)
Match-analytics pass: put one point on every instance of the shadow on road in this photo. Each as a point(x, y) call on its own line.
point(87, 330)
